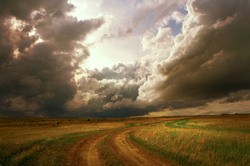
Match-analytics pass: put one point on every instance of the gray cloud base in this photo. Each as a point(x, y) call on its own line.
point(210, 61)
point(41, 79)
point(215, 62)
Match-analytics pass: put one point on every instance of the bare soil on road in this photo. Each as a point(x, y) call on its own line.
point(131, 154)
point(86, 151)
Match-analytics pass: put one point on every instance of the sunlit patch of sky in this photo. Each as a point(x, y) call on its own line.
point(183, 10)
point(108, 52)
point(174, 25)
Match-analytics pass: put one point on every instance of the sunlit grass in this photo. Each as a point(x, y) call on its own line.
point(38, 141)
point(19, 135)
point(25, 144)
point(208, 140)
point(39, 152)
point(107, 155)
point(199, 141)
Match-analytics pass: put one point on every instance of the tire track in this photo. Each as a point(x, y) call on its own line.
point(131, 154)
point(86, 152)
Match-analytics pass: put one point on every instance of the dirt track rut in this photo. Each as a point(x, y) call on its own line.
point(85, 152)
point(131, 154)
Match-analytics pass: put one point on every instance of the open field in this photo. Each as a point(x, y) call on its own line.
point(215, 140)
point(204, 140)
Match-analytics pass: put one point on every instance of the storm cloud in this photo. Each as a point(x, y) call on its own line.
point(38, 56)
point(211, 61)
point(111, 92)
point(204, 67)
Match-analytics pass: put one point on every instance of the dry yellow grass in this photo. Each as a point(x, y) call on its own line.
point(19, 135)
point(44, 141)
point(218, 140)
point(208, 140)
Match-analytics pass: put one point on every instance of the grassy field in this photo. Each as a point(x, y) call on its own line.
point(43, 141)
point(37, 141)
point(107, 155)
point(207, 140)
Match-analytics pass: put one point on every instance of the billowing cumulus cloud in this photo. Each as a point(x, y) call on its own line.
point(214, 62)
point(201, 69)
point(111, 92)
point(155, 12)
point(40, 55)
point(210, 58)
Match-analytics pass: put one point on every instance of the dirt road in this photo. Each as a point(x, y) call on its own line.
point(86, 151)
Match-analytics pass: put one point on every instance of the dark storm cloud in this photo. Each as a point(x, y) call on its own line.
point(37, 77)
point(116, 81)
point(209, 62)
point(111, 92)
point(214, 62)
point(243, 95)
point(41, 77)
point(65, 32)
point(120, 86)
point(119, 112)
point(25, 42)
point(23, 9)
point(5, 44)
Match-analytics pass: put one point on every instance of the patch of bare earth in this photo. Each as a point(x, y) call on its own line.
point(133, 155)
point(85, 152)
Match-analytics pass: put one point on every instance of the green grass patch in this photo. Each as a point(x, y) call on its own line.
point(178, 159)
point(39, 152)
point(185, 123)
point(196, 142)
point(108, 156)
point(130, 124)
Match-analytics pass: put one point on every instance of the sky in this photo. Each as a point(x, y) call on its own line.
point(117, 58)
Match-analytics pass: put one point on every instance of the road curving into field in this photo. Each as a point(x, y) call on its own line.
point(86, 152)
point(131, 154)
